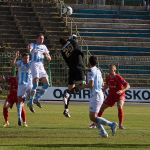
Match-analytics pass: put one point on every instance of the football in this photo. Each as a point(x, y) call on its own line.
point(67, 10)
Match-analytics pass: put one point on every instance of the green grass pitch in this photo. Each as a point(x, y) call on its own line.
point(49, 129)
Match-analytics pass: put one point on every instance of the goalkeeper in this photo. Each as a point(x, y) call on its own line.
point(74, 59)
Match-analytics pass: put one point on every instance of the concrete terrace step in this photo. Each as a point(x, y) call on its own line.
point(33, 32)
point(16, 45)
point(8, 26)
point(65, 33)
point(115, 34)
point(138, 76)
point(51, 15)
point(116, 43)
point(46, 10)
point(6, 17)
point(17, 3)
point(107, 7)
point(105, 11)
point(51, 19)
point(53, 24)
point(6, 13)
point(84, 15)
point(3, 31)
point(119, 53)
point(12, 40)
point(7, 22)
point(129, 69)
point(27, 18)
point(45, 4)
point(135, 71)
point(19, 13)
point(29, 23)
point(120, 48)
point(11, 36)
point(53, 28)
point(112, 20)
point(123, 39)
point(21, 9)
point(113, 30)
point(124, 60)
point(32, 26)
point(112, 25)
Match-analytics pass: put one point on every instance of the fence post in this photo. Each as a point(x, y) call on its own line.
point(13, 71)
point(49, 75)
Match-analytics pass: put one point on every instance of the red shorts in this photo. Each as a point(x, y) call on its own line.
point(112, 99)
point(11, 99)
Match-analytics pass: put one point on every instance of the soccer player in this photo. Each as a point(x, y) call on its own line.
point(95, 84)
point(73, 57)
point(117, 86)
point(11, 99)
point(38, 51)
point(24, 81)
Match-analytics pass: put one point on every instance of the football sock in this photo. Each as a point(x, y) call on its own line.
point(42, 91)
point(120, 116)
point(5, 114)
point(19, 110)
point(23, 114)
point(66, 99)
point(101, 128)
point(103, 121)
point(33, 93)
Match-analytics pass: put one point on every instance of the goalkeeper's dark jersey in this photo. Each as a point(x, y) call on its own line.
point(73, 55)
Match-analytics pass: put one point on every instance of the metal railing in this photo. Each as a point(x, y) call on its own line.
point(108, 2)
point(26, 1)
point(71, 24)
point(86, 2)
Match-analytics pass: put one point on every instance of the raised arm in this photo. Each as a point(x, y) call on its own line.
point(13, 63)
point(29, 48)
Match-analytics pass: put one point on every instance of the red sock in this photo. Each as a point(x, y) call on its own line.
point(100, 114)
point(23, 114)
point(5, 114)
point(120, 116)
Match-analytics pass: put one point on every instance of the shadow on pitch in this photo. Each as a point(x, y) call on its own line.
point(102, 145)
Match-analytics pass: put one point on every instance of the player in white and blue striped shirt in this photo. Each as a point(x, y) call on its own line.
point(38, 52)
point(24, 81)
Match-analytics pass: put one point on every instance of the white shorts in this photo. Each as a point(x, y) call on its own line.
point(24, 90)
point(95, 102)
point(38, 70)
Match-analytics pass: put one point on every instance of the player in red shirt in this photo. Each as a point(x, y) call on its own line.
point(11, 99)
point(116, 94)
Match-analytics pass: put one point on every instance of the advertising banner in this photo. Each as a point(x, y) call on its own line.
point(132, 95)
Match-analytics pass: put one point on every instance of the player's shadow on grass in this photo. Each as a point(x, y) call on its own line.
point(102, 145)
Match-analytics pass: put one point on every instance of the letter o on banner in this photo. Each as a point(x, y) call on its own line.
point(146, 95)
point(57, 93)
